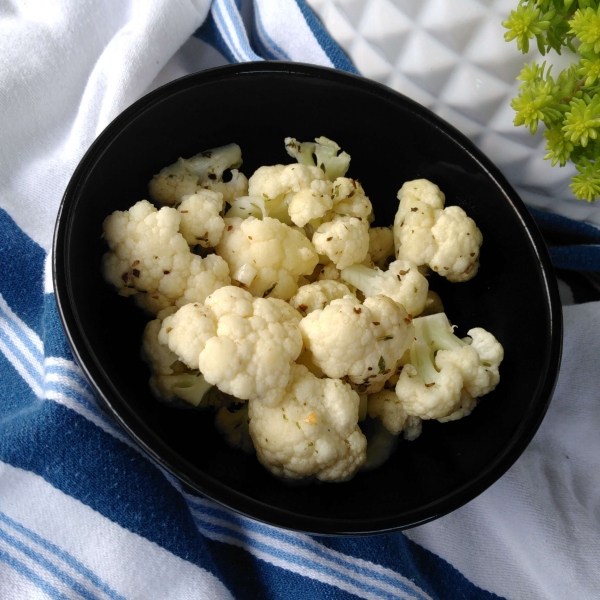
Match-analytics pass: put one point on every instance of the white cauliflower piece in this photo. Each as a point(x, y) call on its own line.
point(171, 381)
point(311, 203)
point(381, 246)
point(150, 259)
point(344, 240)
point(186, 332)
point(277, 181)
point(360, 342)
point(313, 432)
point(444, 370)
point(349, 199)
point(324, 153)
point(426, 233)
point(317, 295)
point(159, 357)
point(386, 405)
point(202, 171)
point(278, 254)
point(255, 342)
point(402, 282)
point(201, 220)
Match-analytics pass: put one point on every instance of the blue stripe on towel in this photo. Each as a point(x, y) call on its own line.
point(330, 47)
point(34, 577)
point(61, 556)
point(21, 282)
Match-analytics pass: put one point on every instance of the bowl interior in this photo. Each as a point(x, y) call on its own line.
point(391, 140)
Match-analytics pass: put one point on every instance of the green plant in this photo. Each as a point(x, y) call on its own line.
point(569, 104)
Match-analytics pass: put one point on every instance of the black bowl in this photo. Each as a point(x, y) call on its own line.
point(391, 139)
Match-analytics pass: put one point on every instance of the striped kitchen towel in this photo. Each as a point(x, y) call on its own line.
point(83, 514)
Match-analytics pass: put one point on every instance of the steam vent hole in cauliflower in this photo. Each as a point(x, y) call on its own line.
point(277, 303)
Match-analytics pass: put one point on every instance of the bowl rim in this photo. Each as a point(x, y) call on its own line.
point(153, 447)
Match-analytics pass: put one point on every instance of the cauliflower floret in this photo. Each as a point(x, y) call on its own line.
point(386, 405)
point(186, 332)
point(159, 357)
point(402, 282)
point(317, 295)
point(325, 153)
point(349, 199)
point(254, 344)
point(171, 381)
point(313, 432)
point(311, 203)
point(202, 171)
point(361, 342)
point(426, 233)
point(444, 370)
point(150, 259)
point(201, 221)
point(381, 246)
point(344, 240)
point(278, 254)
point(275, 181)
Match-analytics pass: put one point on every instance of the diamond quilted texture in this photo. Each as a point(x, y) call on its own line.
point(450, 55)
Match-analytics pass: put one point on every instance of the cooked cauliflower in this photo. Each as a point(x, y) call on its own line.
point(254, 343)
point(402, 282)
point(444, 369)
point(171, 381)
point(313, 432)
point(202, 171)
point(278, 254)
point(344, 240)
point(426, 233)
point(311, 203)
point(349, 199)
point(201, 221)
point(324, 153)
point(317, 295)
point(278, 184)
point(150, 259)
point(186, 332)
point(361, 342)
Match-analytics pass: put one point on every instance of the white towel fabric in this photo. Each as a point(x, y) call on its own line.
point(82, 513)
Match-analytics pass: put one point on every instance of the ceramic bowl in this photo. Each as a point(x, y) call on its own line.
point(391, 140)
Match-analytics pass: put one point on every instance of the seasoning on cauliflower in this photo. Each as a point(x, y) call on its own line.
point(317, 295)
point(201, 221)
point(313, 432)
point(402, 282)
point(254, 343)
point(324, 153)
point(277, 255)
point(443, 368)
point(205, 170)
point(360, 342)
point(150, 259)
point(426, 233)
point(386, 405)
